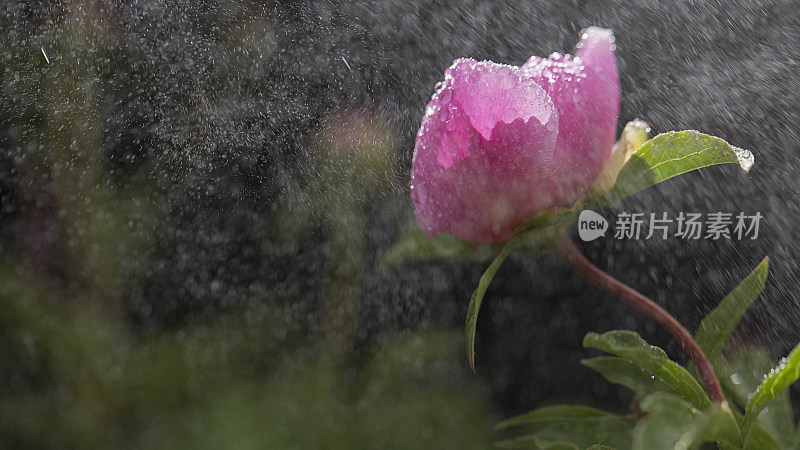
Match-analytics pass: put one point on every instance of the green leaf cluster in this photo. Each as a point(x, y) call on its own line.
point(673, 410)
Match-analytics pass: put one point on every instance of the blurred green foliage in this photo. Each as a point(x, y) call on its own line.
point(76, 372)
point(75, 379)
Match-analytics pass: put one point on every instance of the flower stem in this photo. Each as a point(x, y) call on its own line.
point(575, 260)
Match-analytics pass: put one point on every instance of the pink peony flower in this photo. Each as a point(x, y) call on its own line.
point(499, 143)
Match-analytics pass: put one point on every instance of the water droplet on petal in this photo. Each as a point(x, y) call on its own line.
point(447, 95)
point(509, 115)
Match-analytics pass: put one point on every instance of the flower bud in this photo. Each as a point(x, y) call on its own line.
point(635, 133)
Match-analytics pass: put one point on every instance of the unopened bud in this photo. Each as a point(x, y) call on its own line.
point(635, 134)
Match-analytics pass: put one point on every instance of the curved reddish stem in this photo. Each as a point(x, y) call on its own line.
point(575, 260)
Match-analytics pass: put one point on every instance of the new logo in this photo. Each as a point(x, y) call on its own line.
point(591, 225)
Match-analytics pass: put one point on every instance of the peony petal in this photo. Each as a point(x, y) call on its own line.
point(596, 51)
point(586, 93)
point(490, 93)
point(479, 163)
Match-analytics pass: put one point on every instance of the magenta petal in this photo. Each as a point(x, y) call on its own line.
point(586, 93)
point(481, 153)
point(490, 93)
point(500, 143)
point(596, 51)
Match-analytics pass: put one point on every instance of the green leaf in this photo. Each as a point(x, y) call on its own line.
point(671, 154)
point(536, 233)
point(537, 241)
point(716, 424)
point(612, 431)
point(778, 379)
point(668, 419)
point(554, 217)
point(673, 423)
point(534, 442)
point(653, 360)
point(477, 298)
point(617, 341)
point(742, 373)
point(412, 245)
point(717, 326)
point(761, 440)
point(554, 414)
point(622, 371)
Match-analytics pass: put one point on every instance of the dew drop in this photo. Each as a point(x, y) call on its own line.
point(447, 95)
point(509, 115)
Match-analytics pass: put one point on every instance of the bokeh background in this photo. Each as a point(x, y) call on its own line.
point(196, 199)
